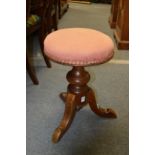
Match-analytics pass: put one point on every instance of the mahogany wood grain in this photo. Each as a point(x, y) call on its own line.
point(67, 118)
point(121, 32)
point(107, 113)
point(37, 7)
point(114, 13)
point(77, 96)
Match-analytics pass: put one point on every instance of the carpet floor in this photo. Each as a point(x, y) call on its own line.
point(88, 134)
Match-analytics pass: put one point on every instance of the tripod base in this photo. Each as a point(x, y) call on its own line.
point(77, 96)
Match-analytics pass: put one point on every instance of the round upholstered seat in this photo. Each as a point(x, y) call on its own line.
point(78, 46)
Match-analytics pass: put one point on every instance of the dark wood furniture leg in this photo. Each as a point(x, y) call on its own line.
point(67, 118)
point(107, 113)
point(31, 71)
point(77, 96)
point(41, 40)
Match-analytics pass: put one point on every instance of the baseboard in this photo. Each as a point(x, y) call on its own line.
point(121, 44)
point(82, 2)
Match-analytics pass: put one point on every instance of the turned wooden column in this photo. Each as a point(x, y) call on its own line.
point(78, 79)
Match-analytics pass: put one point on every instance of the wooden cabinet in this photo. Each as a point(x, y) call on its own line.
point(121, 32)
point(114, 12)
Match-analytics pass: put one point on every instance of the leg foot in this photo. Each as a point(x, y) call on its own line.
point(107, 113)
point(70, 109)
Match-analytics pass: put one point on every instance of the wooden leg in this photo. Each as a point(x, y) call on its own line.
point(46, 59)
point(41, 40)
point(55, 21)
point(79, 104)
point(31, 71)
point(107, 113)
point(77, 96)
point(70, 109)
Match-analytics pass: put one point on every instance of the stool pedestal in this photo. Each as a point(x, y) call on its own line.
point(77, 96)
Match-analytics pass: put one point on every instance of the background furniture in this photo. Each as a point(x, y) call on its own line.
point(62, 7)
point(52, 15)
point(35, 24)
point(114, 12)
point(121, 32)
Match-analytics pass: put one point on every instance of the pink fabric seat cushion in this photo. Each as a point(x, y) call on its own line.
point(78, 46)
